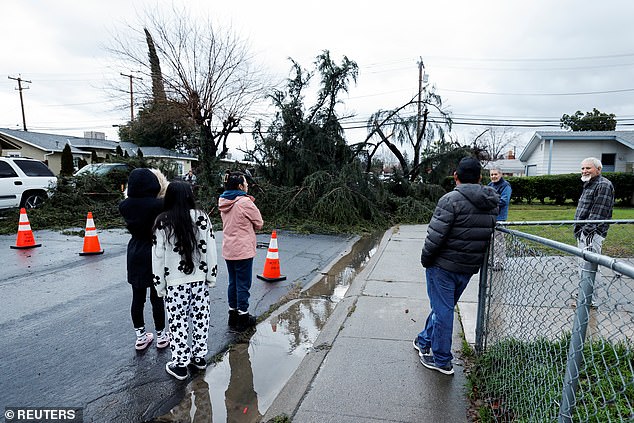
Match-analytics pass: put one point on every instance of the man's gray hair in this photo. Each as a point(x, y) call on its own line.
point(495, 167)
point(595, 162)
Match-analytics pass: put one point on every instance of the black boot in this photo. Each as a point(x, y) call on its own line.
point(245, 321)
point(233, 319)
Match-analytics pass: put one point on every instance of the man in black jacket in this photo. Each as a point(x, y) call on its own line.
point(456, 242)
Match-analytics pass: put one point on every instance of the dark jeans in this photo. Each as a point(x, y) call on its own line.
point(444, 289)
point(138, 302)
point(240, 273)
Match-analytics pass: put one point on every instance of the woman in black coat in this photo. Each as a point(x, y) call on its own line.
point(139, 211)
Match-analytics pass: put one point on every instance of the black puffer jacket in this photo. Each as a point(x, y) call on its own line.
point(460, 229)
point(139, 211)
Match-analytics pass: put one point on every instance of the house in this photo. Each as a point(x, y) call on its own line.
point(508, 164)
point(557, 152)
point(48, 148)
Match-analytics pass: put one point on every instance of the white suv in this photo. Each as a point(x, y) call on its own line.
point(24, 182)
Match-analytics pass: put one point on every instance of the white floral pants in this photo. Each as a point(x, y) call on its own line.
point(188, 304)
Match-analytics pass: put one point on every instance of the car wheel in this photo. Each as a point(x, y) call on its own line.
point(33, 201)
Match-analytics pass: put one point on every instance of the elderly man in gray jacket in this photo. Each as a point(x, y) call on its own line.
point(457, 239)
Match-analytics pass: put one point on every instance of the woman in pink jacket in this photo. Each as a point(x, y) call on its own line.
point(240, 219)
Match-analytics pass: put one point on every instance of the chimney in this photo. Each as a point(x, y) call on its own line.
point(95, 135)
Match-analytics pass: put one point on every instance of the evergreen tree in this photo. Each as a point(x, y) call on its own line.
point(68, 166)
point(301, 140)
point(591, 121)
point(81, 163)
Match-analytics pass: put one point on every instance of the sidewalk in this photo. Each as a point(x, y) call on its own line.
point(363, 367)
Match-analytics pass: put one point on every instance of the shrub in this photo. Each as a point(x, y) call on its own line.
point(566, 187)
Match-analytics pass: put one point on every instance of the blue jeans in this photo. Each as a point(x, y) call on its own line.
point(240, 273)
point(444, 289)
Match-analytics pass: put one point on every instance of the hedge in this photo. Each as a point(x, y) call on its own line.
point(559, 188)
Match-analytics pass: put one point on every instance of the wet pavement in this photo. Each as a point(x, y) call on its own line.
point(67, 337)
point(244, 383)
point(362, 367)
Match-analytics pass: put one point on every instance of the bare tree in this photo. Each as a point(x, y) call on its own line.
point(207, 71)
point(493, 141)
point(400, 132)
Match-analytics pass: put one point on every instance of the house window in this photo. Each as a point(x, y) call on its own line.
point(608, 161)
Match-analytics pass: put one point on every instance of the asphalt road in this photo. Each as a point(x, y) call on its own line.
point(67, 337)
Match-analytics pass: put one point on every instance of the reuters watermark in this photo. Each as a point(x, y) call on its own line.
point(44, 414)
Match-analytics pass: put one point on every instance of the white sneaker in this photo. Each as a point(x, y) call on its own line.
point(163, 340)
point(143, 341)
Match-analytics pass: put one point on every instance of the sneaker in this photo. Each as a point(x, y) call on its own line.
point(143, 341)
point(245, 321)
point(232, 322)
point(163, 340)
point(198, 363)
point(428, 361)
point(421, 351)
point(179, 372)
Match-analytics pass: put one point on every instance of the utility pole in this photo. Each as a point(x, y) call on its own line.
point(422, 79)
point(421, 66)
point(131, 94)
point(19, 79)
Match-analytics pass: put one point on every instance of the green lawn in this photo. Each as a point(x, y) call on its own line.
point(617, 244)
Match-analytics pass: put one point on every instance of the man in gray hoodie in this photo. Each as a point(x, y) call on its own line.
point(457, 239)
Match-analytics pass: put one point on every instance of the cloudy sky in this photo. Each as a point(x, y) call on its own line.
point(496, 62)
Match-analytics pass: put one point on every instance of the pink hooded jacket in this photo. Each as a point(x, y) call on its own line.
point(240, 219)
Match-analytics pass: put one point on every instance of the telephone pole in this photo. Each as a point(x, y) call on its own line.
point(20, 88)
point(422, 79)
point(131, 94)
point(421, 66)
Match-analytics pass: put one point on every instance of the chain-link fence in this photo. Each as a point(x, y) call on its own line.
point(555, 332)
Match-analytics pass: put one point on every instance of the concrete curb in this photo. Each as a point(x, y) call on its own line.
point(290, 397)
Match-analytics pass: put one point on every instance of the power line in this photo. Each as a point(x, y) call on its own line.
point(535, 59)
point(538, 94)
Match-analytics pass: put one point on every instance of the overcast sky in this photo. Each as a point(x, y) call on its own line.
point(502, 62)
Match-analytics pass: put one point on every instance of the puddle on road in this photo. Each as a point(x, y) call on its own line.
point(242, 386)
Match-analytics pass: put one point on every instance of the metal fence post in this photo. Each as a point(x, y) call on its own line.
point(482, 295)
point(577, 340)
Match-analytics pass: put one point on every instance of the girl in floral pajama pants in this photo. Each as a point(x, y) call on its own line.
point(185, 303)
point(184, 267)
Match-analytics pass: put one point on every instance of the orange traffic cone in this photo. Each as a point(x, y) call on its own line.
point(25, 237)
point(272, 264)
point(91, 240)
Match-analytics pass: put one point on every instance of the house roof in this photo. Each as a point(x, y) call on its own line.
point(44, 142)
point(158, 152)
point(624, 137)
point(56, 143)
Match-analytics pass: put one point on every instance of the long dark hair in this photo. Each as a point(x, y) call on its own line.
point(177, 222)
point(233, 180)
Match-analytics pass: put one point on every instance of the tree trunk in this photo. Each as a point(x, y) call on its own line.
point(395, 151)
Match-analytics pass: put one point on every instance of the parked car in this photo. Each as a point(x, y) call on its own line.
point(103, 169)
point(24, 182)
point(102, 180)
